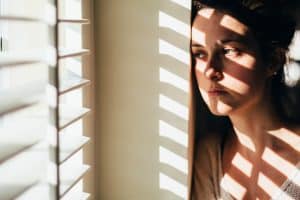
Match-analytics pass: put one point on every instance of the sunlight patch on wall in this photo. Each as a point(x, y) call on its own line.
point(173, 79)
point(174, 107)
point(172, 159)
point(167, 21)
point(183, 3)
point(173, 95)
point(172, 133)
point(169, 184)
point(173, 51)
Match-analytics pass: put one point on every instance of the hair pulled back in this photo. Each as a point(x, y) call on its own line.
point(273, 27)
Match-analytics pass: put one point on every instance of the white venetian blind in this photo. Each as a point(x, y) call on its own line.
point(27, 153)
point(71, 110)
point(41, 100)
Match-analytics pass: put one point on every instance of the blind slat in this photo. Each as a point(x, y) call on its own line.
point(43, 20)
point(71, 83)
point(8, 151)
point(12, 100)
point(70, 175)
point(69, 115)
point(70, 145)
point(28, 57)
point(76, 21)
point(76, 196)
point(44, 12)
point(23, 170)
point(12, 192)
point(66, 53)
point(16, 62)
point(76, 193)
point(37, 191)
point(20, 130)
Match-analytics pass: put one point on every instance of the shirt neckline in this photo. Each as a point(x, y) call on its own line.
point(281, 188)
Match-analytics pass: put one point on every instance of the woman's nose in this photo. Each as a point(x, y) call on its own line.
point(213, 74)
point(213, 69)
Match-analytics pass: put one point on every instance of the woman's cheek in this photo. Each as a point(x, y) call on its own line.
point(246, 60)
point(200, 66)
point(234, 84)
point(199, 72)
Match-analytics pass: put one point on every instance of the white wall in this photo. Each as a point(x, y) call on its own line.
point(130, 100)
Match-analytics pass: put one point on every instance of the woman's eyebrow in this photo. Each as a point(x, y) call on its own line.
point(240, 40)
point(197, 45)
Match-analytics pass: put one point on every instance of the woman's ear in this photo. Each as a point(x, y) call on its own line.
point(276, 61)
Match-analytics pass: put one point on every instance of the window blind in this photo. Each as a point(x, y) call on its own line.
point(41, 100)
point(27, 167)
point(71, 86)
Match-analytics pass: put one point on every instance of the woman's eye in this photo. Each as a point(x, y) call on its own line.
point(232, 52)
point(200, 55)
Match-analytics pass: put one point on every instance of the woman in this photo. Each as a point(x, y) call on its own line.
point(244, 142)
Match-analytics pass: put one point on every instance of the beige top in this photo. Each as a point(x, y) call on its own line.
point(207, 174)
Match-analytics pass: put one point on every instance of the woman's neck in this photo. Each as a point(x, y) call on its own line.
point(252, 125)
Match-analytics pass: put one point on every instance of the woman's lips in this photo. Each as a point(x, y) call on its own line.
point(216, 92)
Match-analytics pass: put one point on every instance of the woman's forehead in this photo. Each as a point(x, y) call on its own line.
point(207, 16)
point(215, 23)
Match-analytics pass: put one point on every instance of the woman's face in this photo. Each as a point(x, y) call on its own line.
point(230, 72)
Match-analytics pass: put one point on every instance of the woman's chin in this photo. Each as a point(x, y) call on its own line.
point(220, 110)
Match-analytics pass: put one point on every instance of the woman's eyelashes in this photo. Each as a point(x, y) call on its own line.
point(226, 52)
point(232, 52)
point(200, 54)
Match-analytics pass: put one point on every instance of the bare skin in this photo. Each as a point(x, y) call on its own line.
point(232, 78)
point(234, 146)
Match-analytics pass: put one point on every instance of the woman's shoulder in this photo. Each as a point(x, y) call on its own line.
point(290, 132)
point(287, 142)
point(206, 166)
point(209, 145)
point(211, 139)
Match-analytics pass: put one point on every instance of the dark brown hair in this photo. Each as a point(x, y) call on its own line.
point(273, 29)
